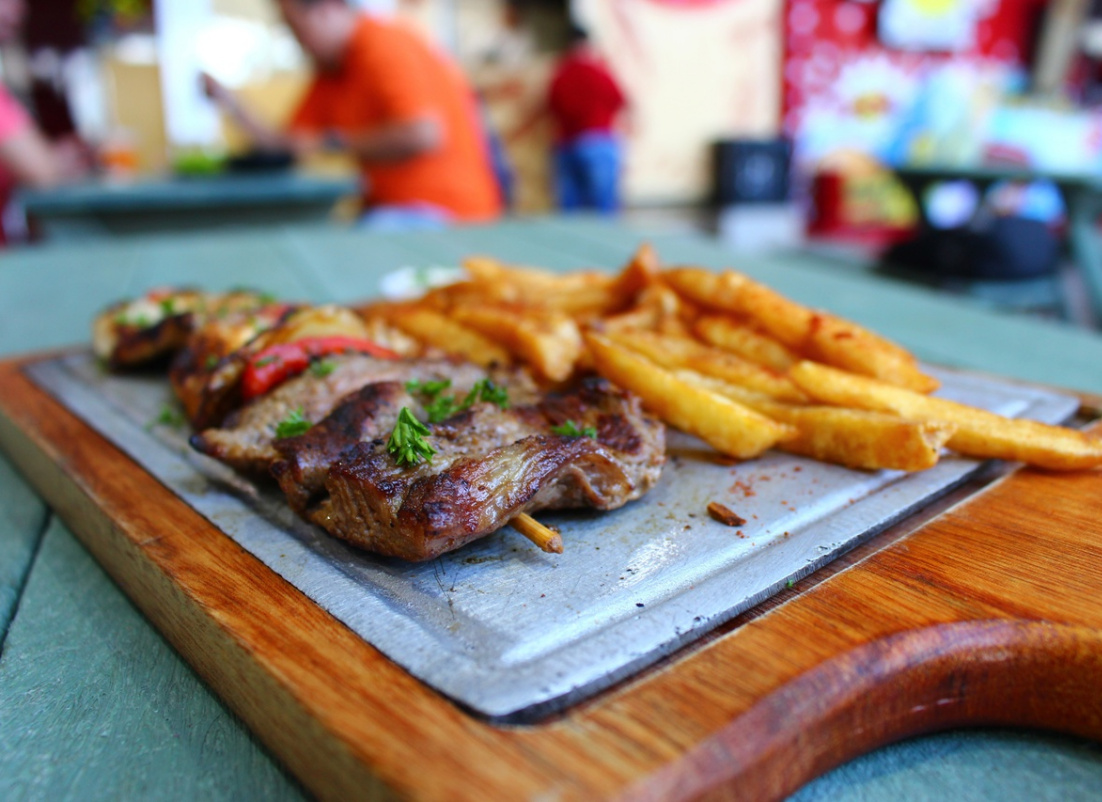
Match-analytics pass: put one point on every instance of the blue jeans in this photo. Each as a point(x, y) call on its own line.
point(413, 217)
point(587, 172)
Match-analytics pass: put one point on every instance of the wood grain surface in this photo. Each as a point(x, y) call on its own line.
point(988, 613)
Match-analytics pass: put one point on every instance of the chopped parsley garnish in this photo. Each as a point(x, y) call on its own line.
point(293, 425)
point(430, 388)
point(211, 362)
point(266, 361)
point(168, 307)
point(138, 321)
point(570, 429)
point(323, 367)
point(169, 416)
point(407, 441)
point(486, 390)
point(439, 407)
point(266, 298)
point(442, 408)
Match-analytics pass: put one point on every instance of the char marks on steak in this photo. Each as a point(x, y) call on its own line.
point(491, 465)
point(365, 415)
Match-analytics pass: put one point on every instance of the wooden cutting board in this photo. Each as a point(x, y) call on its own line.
point(984, 609)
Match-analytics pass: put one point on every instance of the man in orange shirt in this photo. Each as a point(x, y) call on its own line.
point(400, 107)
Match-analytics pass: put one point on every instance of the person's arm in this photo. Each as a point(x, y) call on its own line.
point(393, 142)
point(30, 159)
point(262, 134)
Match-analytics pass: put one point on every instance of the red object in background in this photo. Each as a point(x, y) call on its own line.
point(834, 217)
point(828, 195)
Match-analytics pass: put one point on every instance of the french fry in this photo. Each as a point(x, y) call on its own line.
point(680, 352)
point(781, 318)
point(549, 341)
point(436, 329)
point(727, 426)
point(848, 346)
point(657, 308)
point(642, 271)
point(856, 438)
point(581, 293)
point(705, 287)
point(979, 433)
point(813, 335)
point(745, 341)
point(383, 332)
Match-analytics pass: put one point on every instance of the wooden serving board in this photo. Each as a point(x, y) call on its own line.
point(984, 609)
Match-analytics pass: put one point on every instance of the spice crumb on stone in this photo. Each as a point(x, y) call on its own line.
point(725, 515)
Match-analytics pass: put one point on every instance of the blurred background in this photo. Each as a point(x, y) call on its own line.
point(961, 132)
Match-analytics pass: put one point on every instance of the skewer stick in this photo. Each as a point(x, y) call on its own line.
point(546, 538)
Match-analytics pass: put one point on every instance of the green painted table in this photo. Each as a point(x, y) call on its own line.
point(95, 705)
point(159, 205)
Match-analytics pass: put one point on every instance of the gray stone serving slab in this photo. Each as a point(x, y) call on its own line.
point(513, 633)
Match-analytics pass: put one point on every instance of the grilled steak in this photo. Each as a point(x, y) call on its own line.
point(490, 465)
point(246, 439)
point(366, 414)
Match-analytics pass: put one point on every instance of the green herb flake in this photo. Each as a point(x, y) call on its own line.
point(407, 443)
point(439, 407)
point(323, 367)
point(293, 425)
point(486, 390)
point(168, 306)
point(168, 416)
point(442, 408)
point(211, 362)
point(570, 429)
point(264, 362)
point(430, 389)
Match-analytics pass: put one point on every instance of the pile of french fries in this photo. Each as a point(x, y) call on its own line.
point(724, 358)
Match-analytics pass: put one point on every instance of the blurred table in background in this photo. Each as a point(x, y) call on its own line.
point(1082, 195)
point(94, 704)
point(79, 212)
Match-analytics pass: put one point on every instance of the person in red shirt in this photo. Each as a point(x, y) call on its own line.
point(384, 94)
point(584, 102)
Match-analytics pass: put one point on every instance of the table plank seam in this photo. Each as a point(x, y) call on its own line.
point(21, 585)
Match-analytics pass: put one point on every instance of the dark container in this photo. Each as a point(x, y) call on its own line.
point(751, 171)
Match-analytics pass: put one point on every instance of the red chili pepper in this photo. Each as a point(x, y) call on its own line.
point(275, 364)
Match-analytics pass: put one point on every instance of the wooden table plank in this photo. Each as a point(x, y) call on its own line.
point(138, 722)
